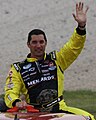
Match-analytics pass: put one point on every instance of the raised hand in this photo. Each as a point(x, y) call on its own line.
point(80, 15)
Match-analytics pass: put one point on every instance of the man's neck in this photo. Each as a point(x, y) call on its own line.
point(37, 57)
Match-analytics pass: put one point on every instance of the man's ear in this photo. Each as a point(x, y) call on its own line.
point(28, 44)
point(45, 42)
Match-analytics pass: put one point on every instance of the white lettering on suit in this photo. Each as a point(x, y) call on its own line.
point(34, 82)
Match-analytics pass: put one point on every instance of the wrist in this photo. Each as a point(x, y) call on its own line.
point(82, 24)
point(82, 27)
point(81, 31)
point(14, 103)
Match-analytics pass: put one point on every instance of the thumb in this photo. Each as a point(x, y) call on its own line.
point(74, 16)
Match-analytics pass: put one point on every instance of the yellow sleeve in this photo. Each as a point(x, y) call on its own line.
point(12, 87)
point(71, 50)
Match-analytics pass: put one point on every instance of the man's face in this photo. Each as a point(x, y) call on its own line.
point(37, 46)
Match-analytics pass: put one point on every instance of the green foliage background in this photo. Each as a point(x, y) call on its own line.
point(84, 99)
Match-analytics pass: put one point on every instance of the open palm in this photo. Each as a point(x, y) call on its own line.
point(80, 16)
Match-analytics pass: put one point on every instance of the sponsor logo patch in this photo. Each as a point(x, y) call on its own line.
point(27, 66)
point(32, 69)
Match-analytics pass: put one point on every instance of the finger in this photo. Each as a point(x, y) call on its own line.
point(74, 16)
point(80, 7)
point(24, 103)
point(86, 9)
point(76, 8)
point(19, 104)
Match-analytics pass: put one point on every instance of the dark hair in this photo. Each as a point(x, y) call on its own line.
point(36, 32)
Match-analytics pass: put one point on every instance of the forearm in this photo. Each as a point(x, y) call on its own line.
point(10, 98)
point(12, 87)
point(71, 49)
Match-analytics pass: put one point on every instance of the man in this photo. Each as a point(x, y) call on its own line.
point(39, 78)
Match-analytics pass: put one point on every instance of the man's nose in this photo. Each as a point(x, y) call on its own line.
point(38, 44)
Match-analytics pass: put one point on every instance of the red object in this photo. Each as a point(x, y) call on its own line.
point(29, 108)
point(14, 109)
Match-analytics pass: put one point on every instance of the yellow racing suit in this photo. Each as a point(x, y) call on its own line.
point(42, 82)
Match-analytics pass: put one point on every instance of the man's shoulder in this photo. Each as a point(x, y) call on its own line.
point(20, 62)
point(17, 65)
point(53, 54)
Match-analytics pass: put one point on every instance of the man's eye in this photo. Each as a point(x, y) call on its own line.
point(41, 42)
point(34, 42)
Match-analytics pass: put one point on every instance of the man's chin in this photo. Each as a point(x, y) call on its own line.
point(40, 55)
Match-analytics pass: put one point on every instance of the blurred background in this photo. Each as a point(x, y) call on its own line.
point(18, 17)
